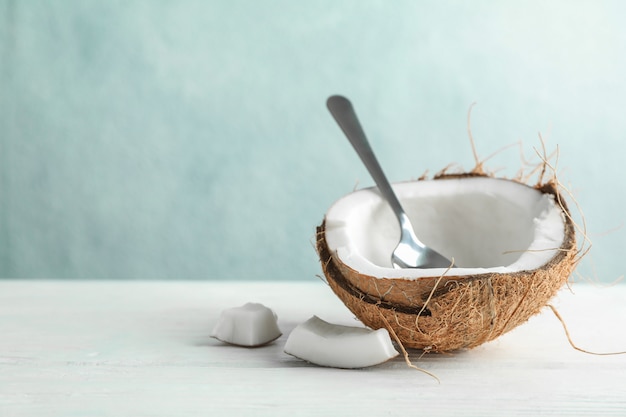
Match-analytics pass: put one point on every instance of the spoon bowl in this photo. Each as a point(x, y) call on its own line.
point(410, 251)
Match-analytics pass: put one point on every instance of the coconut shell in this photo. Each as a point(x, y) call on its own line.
point(442, 313)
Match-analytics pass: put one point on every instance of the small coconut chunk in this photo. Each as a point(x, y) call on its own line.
point(326, 344)
point(250, 325)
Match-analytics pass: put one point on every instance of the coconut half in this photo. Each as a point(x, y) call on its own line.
point(513, 246)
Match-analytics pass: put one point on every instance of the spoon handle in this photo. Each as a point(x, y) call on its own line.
point(343, 112)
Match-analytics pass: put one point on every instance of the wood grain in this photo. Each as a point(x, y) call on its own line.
point(100, 348)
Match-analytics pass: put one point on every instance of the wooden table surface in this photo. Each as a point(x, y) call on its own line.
point(129, 348)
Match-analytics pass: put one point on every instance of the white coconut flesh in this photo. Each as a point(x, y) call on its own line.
point(486, 224)
point(333, 345)
point(249, 325)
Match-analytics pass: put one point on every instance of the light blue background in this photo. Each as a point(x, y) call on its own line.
point(190, 139)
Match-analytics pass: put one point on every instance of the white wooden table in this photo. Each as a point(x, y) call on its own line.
point(105, 348)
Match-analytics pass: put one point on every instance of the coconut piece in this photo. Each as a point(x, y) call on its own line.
point(250, 325)
point(514, 246)
point(325, 344)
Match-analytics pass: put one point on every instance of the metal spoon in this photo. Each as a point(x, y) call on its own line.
point(410, 252)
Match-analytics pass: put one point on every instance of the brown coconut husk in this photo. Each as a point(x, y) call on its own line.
point(443, 313)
